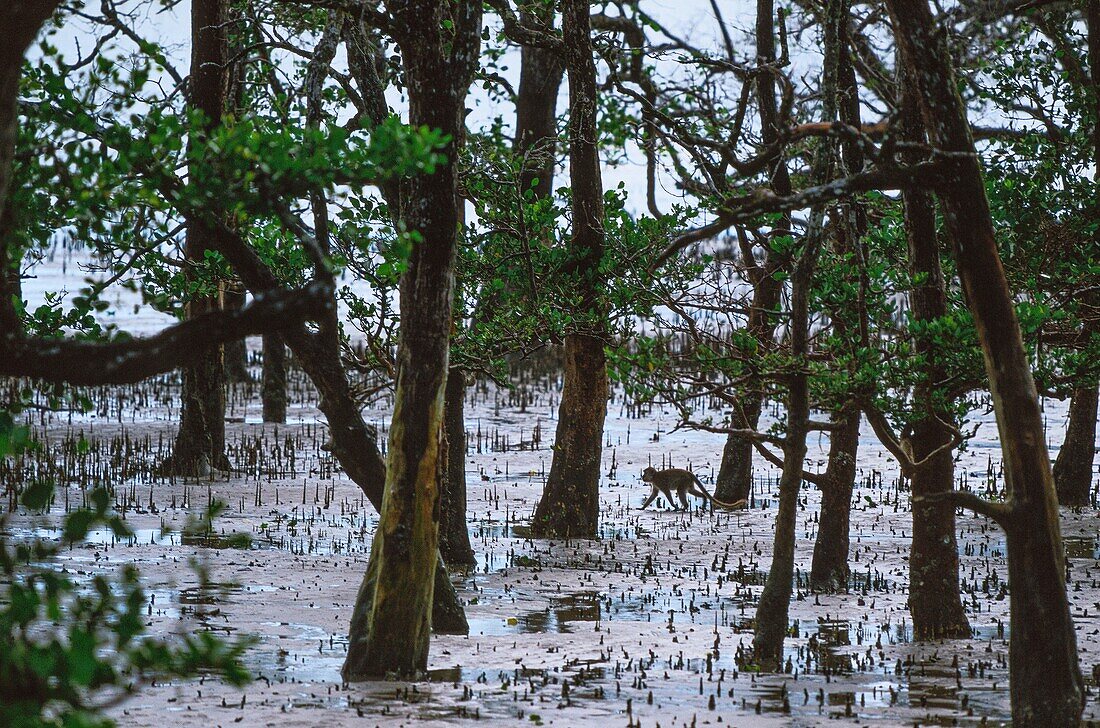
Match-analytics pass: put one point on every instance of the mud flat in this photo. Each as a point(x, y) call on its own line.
point(645, 626)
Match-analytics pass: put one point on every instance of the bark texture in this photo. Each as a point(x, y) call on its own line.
point(829, 569)
point(1073, 467)
point(319, 355)
point(734, 480)
point(935, 602)
point(21, 22)
point(390, 634)
point(569, 506)
point(200, 440)
point(1045, 677)
point(773, 609)
point(273, 379)
point(454, 536)
point(540, 77)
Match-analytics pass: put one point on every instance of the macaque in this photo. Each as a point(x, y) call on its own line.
point(683, 482)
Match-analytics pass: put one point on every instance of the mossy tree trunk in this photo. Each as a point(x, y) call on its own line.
point(391, 622)
point(1045, 680)
point(569, 506)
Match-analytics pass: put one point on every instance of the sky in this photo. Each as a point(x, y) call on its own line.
point(691, 19)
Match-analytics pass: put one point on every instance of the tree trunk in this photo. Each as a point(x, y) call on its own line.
point(390, 635)
point(319, 355)
point(273, 386)
point(774, 607)
point(454, 536)
point(1045, 675)
point(829, 571)
point(734, 480)
point(570, 501)
point(21, 22)
point(11, 256)
point(540, 77)
point(1073, 466)
point(934, 599)
point(200, 440)
point(235, 352)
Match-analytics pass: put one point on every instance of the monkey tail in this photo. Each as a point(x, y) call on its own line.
point(738, 505)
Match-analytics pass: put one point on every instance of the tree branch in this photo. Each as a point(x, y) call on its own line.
point(126, 362)
point(522, 33)
point(744, 208)
point(1001, 512)
point(817, 479)
point(891, 442)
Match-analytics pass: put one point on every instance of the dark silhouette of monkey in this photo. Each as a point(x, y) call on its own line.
point(683, 482)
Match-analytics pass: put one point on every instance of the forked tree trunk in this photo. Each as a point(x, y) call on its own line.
point(774, 607)
point(454, 536)
point(734, 480)
point(273, 379)
point(934, 599)
point(391, 633)
point(540, 76)
point(1044, 673)
point(570, 501)
point(200, 440)
point(829, 570)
